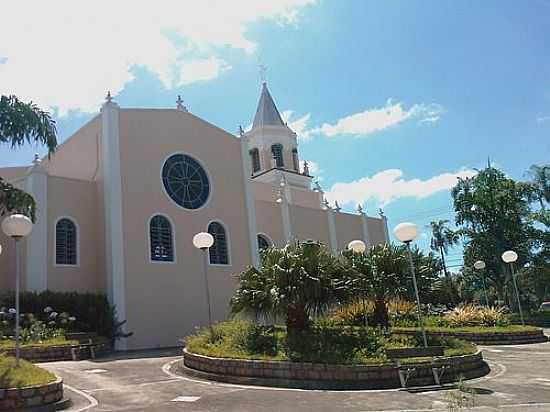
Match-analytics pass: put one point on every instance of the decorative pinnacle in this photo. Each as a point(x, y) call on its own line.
point(360, 209)
point(326, 205)
point(317, 187)
point(180, 105)
point(108, 98)
point(306, 168)
point(36, 159)
point(337, 206)
point(241, 130)
point(381, 213)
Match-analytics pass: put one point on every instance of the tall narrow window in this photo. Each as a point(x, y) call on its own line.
point(255, 159)
point(218, 251)
point(295, 162)
point(277, 151)
point(160, 239)
point(65, 242)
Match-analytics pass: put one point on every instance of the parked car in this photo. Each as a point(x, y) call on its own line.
point(544, 307)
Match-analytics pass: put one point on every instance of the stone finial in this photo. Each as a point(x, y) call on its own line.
point(360, 209)
point(306, 168)
point(381, 213)
point(180, 105)
point(337, 206)
point(241, 130)
point(326, 204)
point(108, 98)
point(317, 187)
point(36, 159)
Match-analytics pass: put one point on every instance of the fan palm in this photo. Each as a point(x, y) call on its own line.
point(442, 238)
point(22, 123)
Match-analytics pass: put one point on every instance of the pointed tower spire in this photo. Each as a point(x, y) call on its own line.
point(267, 113)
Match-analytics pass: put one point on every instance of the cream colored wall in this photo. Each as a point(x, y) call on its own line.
point(305, 198)
point(348, 228)
point(264, 191)
point(309, 224)
point(75, 199)
point(269, 221)
point(11, 173)
point(77, 157)
point(165, 301)
point(376, 230)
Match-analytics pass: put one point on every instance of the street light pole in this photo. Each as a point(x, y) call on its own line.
point(359, 247)
point(204, 241)
point(510, 257)
point(480, 265)
point(419, 310)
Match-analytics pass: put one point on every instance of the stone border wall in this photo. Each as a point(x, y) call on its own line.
point(500, 338)
point(14, 399)
point(61, 352)
point(324, 376)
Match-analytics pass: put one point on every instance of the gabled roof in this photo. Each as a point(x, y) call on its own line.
point(267, 113)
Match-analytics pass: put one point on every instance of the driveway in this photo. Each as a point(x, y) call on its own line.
point(142, 381)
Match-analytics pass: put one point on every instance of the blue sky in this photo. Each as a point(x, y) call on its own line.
point(392, 99)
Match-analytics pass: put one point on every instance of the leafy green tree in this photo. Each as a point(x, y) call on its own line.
point(540, 181)
point(442, 239)
point(297, 282)
point(381, 271)
point(493, 215)
point(22, 123)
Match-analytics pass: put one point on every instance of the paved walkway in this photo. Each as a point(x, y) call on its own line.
point(519, 381)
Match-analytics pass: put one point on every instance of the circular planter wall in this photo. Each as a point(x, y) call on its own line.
point(61, 352)
point(324, 376)
point(44, 398)
point(500, 338)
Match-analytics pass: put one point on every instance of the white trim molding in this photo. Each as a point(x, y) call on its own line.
point(332, 231)
point(172, 234)
point(77, 229)
point(250, 203)
point(112, 198)
point(227, 241)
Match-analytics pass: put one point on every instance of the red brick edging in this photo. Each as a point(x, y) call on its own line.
point(325, 376)
point(32, 396)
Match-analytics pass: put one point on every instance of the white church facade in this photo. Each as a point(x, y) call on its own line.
point(119, 202)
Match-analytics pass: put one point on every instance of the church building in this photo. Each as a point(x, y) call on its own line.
point(119, 202)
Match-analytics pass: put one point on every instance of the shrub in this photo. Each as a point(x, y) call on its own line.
point(93, 312)
point(401, 312)
point(470, 315)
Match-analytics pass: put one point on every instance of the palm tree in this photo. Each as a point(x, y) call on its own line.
point(22, 123)
point(442, 238)
point(382, 272)
point(540, 181)
point(296, 282)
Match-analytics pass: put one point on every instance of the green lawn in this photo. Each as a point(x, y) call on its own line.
point(473, 329)
point(26, 375)
point(10, 344)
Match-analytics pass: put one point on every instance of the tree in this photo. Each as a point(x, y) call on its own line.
point(442, 239)
point(381, 272)
point(492, 212)
point(22, 123)
point(296, 282)
point(540, 181)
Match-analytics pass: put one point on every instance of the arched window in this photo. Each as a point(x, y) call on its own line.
point(277, 152)
point(66, 242)
point(255, 159)
point(218, 251)
point(295, 162)
point(263, 242)
point(160, 239)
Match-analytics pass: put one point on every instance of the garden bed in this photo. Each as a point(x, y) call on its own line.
point(510, 335)
point(28, 387)
point(305, 375)
point(58, 351)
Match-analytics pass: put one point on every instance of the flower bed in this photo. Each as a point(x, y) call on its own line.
point(515, 335)
point(307, 375)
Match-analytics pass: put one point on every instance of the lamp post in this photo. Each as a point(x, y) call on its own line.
point(204, 241)
point(510, 257)
point(406, 233)
point(17, 226)
point(480, 265)
point(358, 246)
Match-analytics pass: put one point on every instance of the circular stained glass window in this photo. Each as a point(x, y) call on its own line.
point(185, 181)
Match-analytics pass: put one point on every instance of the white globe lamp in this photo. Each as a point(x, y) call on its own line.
point(203, 240)
point(405, 232)
point(357, 246)
point(479, 265)
point(509, 256)
point(17, 226)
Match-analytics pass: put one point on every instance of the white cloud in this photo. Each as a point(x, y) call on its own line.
point(314, 169)
point(299, 125)
point(542, 119)
point(389, 185)
point(373, 120)
point(67, 54)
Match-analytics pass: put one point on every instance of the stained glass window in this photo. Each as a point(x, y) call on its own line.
point(218, 251)
point(160, 239)
point(185, 181)
point(65, 242)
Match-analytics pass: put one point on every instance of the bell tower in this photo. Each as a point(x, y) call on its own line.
point(273, 146)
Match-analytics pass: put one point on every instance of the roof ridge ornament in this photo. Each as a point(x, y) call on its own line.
point(179, 104)
point(108, 98)
point(337, 206)
point(360, 209)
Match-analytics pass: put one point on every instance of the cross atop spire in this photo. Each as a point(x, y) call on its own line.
point(267, 113)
